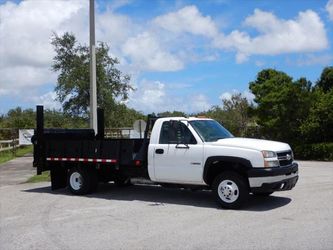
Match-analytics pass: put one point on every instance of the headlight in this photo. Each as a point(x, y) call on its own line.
point(270, 159)
point(268, 154)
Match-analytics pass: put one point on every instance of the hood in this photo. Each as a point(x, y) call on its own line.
point(255, 144)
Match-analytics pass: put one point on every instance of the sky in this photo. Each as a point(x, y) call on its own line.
point(182, 55)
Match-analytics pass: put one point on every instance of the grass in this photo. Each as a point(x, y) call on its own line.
point(45, 176)
point(8, 154)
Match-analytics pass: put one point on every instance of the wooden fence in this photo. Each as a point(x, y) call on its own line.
point(9, 139)
point(9, 144)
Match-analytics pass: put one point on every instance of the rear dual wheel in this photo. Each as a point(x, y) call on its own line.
point(82, 180)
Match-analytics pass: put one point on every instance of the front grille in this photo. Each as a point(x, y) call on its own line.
point(285, 158)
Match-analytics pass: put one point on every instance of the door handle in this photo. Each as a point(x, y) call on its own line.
point(159, 151)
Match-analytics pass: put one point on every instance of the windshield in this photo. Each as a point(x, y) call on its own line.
point(210, 130)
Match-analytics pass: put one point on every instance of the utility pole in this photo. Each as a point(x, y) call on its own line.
point(93, 88)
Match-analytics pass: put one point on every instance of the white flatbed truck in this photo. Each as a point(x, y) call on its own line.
point(175, 151)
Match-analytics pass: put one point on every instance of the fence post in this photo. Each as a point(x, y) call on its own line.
point(13, 142)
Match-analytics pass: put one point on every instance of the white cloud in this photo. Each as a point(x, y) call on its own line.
point(226, 96)
point(48, 100)
point(246, 94)
point(155, 96)
point(25, 51)
point(148, 96)
point(26, 28)
point(146, 52)
point(259, 63)
point(115, 29)
point(152, 93)
point(17, 80)
point(199, 103)
point(188, 19)
point(116, 4)
point(312, 59)
point(329, 9)
point(305, 33)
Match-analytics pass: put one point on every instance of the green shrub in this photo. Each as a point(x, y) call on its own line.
point(8, 155)
point(318, 151)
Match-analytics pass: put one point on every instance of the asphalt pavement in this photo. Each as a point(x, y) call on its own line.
point(16, 171)
point(151, 217)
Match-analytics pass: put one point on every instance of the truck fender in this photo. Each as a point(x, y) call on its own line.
point(234, 163)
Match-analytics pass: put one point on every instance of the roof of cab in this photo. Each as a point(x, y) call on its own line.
point(183, 118)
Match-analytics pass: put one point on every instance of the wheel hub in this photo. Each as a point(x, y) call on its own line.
point(228, 191)
point(75, 180)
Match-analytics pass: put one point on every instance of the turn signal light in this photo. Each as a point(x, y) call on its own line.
point(271, 164)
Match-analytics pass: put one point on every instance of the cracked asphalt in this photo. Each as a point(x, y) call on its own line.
point(151, 217)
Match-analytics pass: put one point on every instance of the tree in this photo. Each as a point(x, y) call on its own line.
point(233, 114)
point(317, 127)
point(325, 81)
point(72, 64)
point(172, 114)
point(19, 118)
point(2, 119)
point(282, 105)
point(123, 116)
point(57, 119)
point(236, 113)
point(26, 118)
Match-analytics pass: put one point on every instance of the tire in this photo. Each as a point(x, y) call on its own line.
point(230, 190)
point(263, 194)
point(79, 181)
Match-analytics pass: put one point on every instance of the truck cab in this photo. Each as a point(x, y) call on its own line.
point(200, 151)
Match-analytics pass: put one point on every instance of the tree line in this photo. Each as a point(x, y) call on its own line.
point(295, 111)
point(298, 112)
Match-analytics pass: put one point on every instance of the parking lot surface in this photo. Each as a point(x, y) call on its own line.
point(151, 217)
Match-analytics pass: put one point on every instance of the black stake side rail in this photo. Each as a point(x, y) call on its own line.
point(82, 145)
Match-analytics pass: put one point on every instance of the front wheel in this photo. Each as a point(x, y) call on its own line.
point(230, 190)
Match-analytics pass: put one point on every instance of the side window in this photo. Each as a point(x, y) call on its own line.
point(174, 132)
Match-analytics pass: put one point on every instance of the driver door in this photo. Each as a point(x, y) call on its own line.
point(178, 157)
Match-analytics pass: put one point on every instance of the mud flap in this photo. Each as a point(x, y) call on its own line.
point(58, 177)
